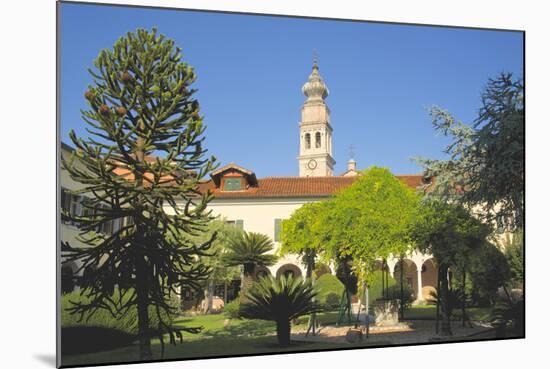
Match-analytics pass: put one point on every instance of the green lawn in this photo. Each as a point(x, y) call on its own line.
point(429, 312)
point(254, 337)
point(238, 337)
point(213, 326)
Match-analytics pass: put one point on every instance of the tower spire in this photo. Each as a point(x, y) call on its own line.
point(315, 157)
point(315, 59)
point(315, 88)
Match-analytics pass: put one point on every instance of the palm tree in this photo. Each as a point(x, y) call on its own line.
point(280, 300)
point(250, 250)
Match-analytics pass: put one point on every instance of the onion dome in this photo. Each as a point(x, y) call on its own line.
point(315, 88)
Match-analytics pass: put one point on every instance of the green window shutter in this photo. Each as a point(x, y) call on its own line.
point(239, 223)
point(232, 184)
point(277, 235)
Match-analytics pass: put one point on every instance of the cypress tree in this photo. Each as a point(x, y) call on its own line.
point(140, 166)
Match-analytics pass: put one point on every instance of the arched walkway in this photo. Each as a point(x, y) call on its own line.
point(379, 265)
point(429, 278)
point(260, 272)
point(410, 275)
point(289, 269)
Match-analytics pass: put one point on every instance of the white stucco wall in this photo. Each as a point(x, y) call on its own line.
point(68, 232)
point(258, 215)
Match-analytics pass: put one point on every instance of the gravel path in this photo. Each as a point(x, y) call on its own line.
point(422, 331)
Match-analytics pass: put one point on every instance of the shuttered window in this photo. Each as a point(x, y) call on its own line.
point(277, 233)
point(232, 184)
point(65, 200)
point(239, 223)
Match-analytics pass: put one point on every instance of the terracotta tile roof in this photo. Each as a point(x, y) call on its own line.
point(283, 187)
point(411, 180)
point(271, 187)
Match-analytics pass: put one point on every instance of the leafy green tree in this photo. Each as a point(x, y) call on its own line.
point(251, 250)
point(302, 234)
point(215, 260)
point(367, 221)
point(489, 270)
point(451, 234)
point(486, 168)
point(280, 300)
point(140, 104)
point(371, 220)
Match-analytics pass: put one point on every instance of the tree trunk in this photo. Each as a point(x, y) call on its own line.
point(446, 307)
point(224, 293)
point(283, 332)
point(209, 296)
point(143, 313)
point(401, 272)
point(386, 268)
point(464, 297)
point(247, 281)
point(367, 322)
point(309, 275)
point(383, 279)
point(438, 301)
point(142, 289)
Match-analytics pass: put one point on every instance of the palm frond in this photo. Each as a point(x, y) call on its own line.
point(280, 299)
point(247, 248)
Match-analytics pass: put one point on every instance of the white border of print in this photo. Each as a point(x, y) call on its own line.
point(28, 67)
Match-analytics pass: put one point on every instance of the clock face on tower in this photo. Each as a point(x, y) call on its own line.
point(312, 164)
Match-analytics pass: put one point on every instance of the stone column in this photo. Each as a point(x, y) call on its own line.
point(391, 262)
point(419, 296)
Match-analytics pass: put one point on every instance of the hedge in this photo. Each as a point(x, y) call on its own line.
point(328, 284)
point(102, 318)
point(375, 288)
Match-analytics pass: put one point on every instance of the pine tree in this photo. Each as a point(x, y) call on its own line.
point(140, 166)
point(486, 166)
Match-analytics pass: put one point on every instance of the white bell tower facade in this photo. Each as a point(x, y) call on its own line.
point(315, 159)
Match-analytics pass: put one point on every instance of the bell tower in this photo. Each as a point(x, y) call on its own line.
point(315, 159)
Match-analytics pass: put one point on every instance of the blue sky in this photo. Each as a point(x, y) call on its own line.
point(382, 78)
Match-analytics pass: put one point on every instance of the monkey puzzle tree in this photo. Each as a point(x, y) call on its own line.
point(140, 104)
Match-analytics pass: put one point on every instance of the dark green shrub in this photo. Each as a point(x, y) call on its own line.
point(514, 256)
point(328, 284)
point(375, 287)
point(394, 293)
point(126, 322)
point(321, 269)
point(332, 301)
point(231, 309)
point(83, 339)
point(509, 315)
point(67, 279)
